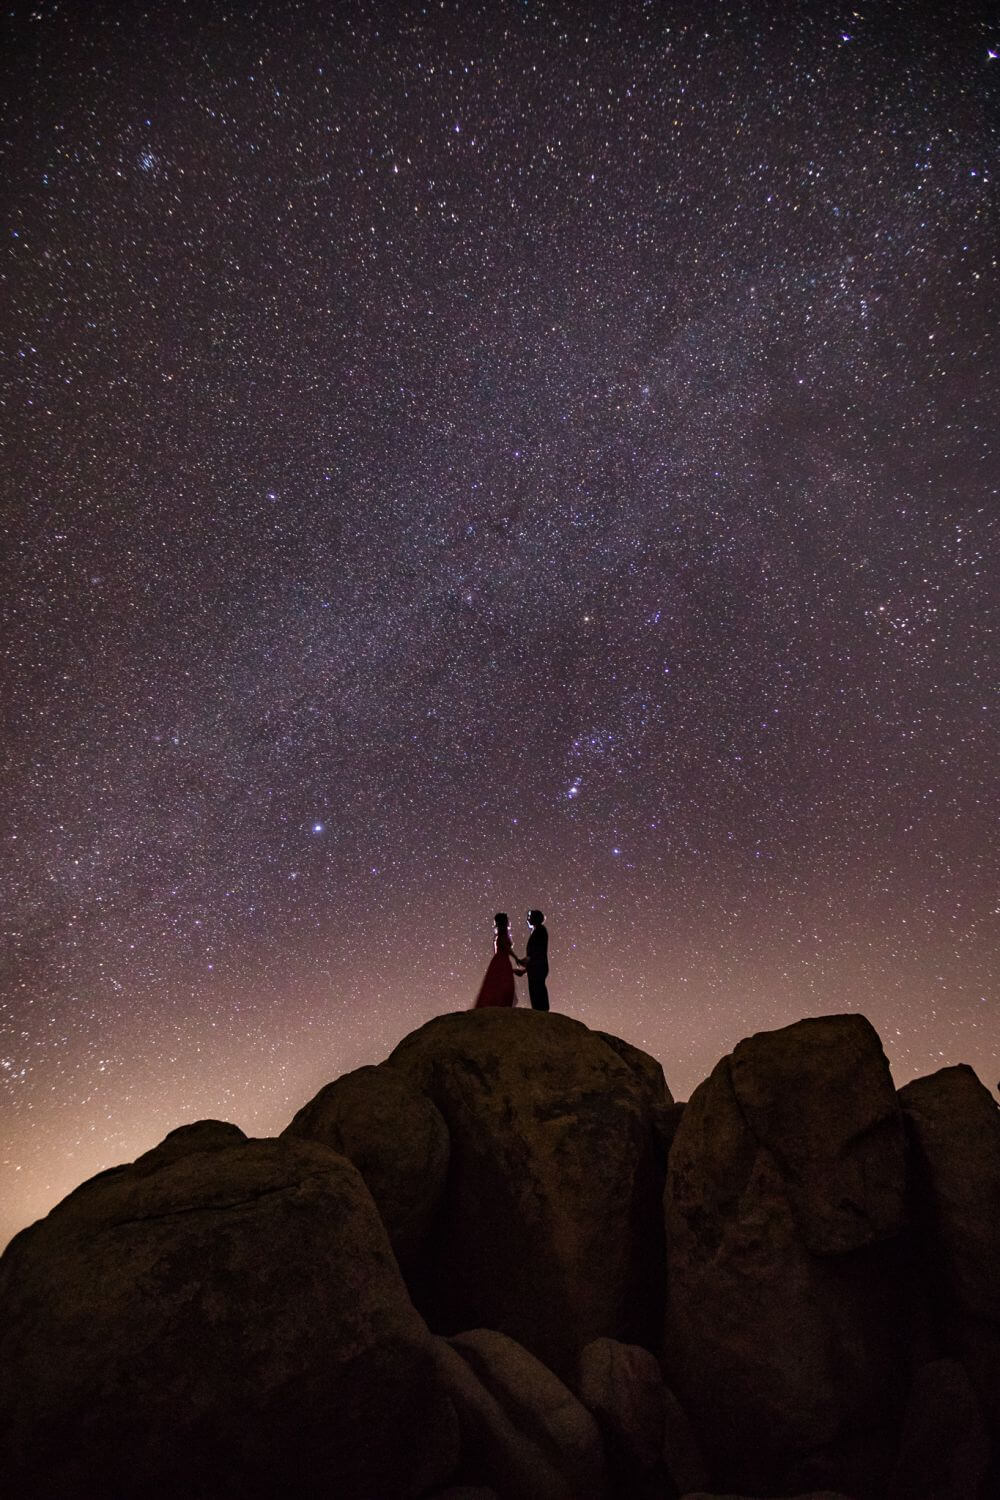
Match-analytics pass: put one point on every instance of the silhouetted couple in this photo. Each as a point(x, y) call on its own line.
point(497, 987)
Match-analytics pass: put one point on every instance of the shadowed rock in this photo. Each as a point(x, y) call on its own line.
point(551, 1228)
point(225, 1319)
point(682, 1457)
point(640, 1062)
point(622, 1386)
point(780, 1349)
point(820, 1098)
point(812, 1495)
point(464, 1492)
point(186, 1140)
point(955, 1133)
point(224, 1322)
point(944, 1451)
point(651, 1449)
point(395, 1137)
point(523, 1431)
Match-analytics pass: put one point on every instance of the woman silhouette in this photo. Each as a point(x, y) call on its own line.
point(497, 987)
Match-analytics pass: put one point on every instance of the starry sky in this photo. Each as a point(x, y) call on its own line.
point(467, 456)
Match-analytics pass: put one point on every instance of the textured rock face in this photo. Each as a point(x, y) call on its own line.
point(651, 1449)
point(522, 1429)
point(395, 1137)
point(186, 1140)
point(944, 1451)
point(783, 1348)
point(230, 1322)
point(551, 1229)
point(640, 1062)
point(819, 1097)
point(622, 1386)
point(955, 1132)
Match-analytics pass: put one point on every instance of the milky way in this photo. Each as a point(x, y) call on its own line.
point(473, 456)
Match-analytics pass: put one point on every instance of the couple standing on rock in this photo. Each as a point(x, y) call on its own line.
point(497, 987)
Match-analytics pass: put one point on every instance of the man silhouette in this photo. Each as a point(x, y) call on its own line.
point(536, 961)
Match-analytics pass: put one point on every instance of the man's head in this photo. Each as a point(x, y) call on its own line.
point(535, 917)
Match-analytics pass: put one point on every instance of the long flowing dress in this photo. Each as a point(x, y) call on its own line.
point(497, 987)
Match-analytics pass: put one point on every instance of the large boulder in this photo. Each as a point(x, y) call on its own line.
point(819, 1097)
point(665, 1113)
point(396, 1138)
point(220, 1322)
point(524, 1433)
point(551, 1229)
point(954, 1127)
point(788, 1316)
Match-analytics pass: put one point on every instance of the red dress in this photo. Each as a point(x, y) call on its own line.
point(497, 987)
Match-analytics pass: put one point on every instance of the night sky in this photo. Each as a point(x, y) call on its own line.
point(473, 456)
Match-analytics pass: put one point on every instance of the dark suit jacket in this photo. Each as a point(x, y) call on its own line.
point(536, 953)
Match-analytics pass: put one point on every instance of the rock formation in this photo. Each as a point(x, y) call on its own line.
point(227, 1322)
point(788, 1328)
point(553, 1173)
point(955, 1133)
point(503, 1265)
point(396, 1138)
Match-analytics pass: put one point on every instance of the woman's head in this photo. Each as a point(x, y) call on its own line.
point(501, 921)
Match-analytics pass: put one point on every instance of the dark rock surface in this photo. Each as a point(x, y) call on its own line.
point(651, 1449)
point(464, 1492)
point(819, 1098)
point(805, 1302)
point(395, 1137)
point(955, 1133)
point(230, 1322)
point(186, 1140)
point(812, 1495)
point(944, 1450)
point(780, 1348)
point(622, 1386)
point(683, 1462)
point(553, 1174)
point(640, 1062)
point(521, 1427)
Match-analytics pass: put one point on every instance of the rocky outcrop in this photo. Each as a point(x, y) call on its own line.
point(787, 1318)
point(954, 1127)
point(186, 1140)
point(220, 1322)
point(551, 1227)
point(804, 1302)
point(395, 1137)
